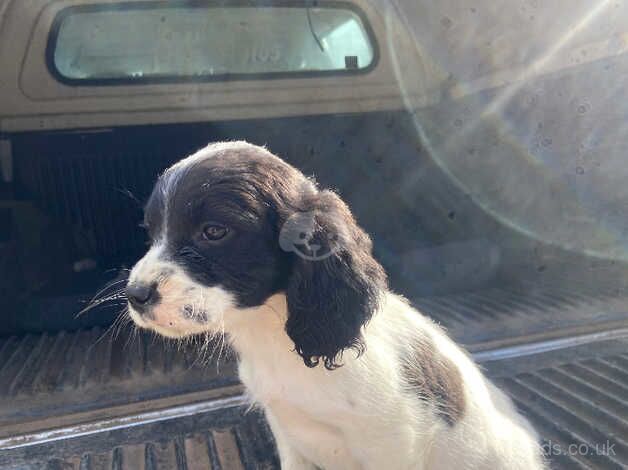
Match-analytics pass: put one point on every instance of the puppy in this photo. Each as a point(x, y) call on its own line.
point(349, 375)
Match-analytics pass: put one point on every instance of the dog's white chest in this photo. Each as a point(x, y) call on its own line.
point(286, 381)
point(307, 406)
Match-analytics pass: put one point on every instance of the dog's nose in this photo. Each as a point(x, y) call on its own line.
point(140, 295)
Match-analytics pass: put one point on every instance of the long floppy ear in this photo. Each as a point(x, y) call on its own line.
point(334, 284)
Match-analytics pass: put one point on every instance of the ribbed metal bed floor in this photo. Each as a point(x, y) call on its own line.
point(580, 409)
point(495, 316)
point(224, 441)
point(86, 401)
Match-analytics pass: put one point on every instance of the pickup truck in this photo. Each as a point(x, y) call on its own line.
point(479, 143)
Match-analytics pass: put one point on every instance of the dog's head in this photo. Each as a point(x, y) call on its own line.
point(232, 225)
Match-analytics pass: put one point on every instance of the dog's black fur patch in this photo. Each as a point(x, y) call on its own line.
point(253, 193)
point(434, 379)
point(330, 299)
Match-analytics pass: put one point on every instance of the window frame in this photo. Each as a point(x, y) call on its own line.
point(53, 34)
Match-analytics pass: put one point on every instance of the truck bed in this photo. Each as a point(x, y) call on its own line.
point(99, 398)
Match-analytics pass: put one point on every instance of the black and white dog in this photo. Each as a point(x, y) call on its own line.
point(349, 375)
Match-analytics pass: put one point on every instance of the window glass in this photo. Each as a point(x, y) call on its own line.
point(157, 40)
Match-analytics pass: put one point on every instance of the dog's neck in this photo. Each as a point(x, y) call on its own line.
point(255, 328)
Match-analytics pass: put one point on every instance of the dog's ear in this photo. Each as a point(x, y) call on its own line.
point(334, 283)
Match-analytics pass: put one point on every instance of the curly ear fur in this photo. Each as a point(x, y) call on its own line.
point(330, 299)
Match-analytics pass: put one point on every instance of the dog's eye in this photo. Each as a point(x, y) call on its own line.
point(214, 232)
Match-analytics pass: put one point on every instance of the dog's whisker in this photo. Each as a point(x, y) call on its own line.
point(108, 286)
point(117, 295)
point(110, 329)
point(222, 342)
point(122, 320)
point(215, 342)
point(115, 326)
point(90, 307)
point(131, 336)
point(199, 345)
point(203, 349)
point(209, 341)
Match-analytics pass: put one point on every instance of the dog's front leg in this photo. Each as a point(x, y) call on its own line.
point(289, 457)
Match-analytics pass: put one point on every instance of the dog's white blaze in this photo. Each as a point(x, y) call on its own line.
point(145, 270)
point(177, 291)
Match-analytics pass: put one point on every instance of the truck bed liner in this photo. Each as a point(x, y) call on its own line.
point(88, 400)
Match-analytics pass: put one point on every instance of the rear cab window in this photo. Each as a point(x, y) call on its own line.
point(139, 42)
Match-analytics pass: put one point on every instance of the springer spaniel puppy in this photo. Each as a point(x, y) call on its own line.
point(349, 375)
